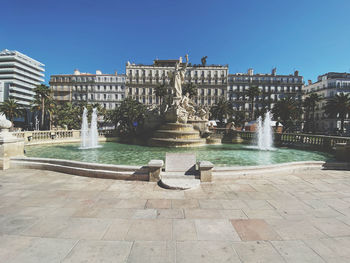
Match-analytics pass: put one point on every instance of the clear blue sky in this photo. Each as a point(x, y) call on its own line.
point(311, 36)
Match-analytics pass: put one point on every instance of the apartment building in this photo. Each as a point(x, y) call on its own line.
point(273, 87)
point(210, 80)
point(327, 86)
point(105, 89)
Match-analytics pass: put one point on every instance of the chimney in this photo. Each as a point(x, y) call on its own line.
point(309, 82)
point(250, 72)
point(296, 73)
point(116, 73)
point(274, 72)
point(76, 72)
point(98, 72)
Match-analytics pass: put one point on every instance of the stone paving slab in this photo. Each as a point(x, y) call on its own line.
point(53, 217)
point(99, 251)
point(254, 229)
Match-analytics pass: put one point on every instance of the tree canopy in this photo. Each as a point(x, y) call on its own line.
point(338, 107)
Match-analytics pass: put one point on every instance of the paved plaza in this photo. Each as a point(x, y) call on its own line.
point(53, 217)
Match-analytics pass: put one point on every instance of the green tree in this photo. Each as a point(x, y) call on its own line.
point(51, 107)
point(252, 93)
point(68, 115)
point(190, 88)
point(338, 107)
point(286, 111)
point(239, 118)
point(221, 110)
point(261, 112)
point(11, 109)
point(42, 93)
point(129, 116)
point(310, 104)
point(161, 91)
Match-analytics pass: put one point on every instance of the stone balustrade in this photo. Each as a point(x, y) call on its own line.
point(37, 136)
point(320, 142)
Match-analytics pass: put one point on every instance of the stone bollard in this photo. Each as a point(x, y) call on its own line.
point(10, 146)
point(205, 170)
point(154, 169)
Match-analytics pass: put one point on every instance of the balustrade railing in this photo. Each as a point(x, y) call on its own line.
point(289, 139)
point(31, 136)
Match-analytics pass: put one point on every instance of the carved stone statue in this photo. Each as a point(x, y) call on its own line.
point(179, 77)
point(182, 108)
point(204, 60)
point(4, 123)
point(186, 104)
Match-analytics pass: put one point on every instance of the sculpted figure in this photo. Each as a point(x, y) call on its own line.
point(4, 123)
point(179, 77)
point(186, 104)
point(202, 114)
point(204, 60)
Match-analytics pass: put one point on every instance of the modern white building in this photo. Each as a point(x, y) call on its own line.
point(106, 89)
point(327, 86)
point(19, 76)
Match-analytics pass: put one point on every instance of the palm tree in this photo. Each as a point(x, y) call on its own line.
point(338, 107)
point(261, 112)
point(309, 104)
point(11, 109)
point(239, 118)
point(161, 91)
point(252, 93)
point(42, 93)
point(51, 106)
point(189, 88)
point(221, 110)
point(287, 112)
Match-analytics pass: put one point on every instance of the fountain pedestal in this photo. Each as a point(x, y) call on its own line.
point(177, 135)
point(10, 146)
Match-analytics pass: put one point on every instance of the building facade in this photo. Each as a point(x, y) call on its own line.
point(19, 76)
point(272, 88)
point(327, 86)
point(106, 89)
point(210, 80)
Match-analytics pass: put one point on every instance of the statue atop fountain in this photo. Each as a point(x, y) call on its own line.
point(182, 108)
point(183, 122)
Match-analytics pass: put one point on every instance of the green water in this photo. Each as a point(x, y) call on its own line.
point(219, 155)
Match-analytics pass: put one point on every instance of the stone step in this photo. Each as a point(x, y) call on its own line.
point(336, 166)
point(132, 174)
point(78, 164)
point(181, 175)
point(177, 134)
point(179, 182)
point(177, 127)
point(167, 142)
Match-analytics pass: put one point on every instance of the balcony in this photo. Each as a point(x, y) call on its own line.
point(29, 92)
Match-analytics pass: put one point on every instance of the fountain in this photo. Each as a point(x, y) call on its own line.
point(89, 137)
point(178, 131)
point(265, 140)
point(84, 130)
point(93, 134)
